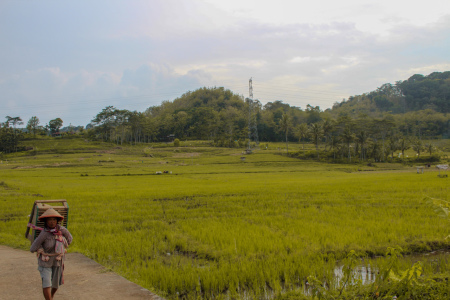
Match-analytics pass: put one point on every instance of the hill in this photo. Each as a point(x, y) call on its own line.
point(415, 108)
point(416, 93)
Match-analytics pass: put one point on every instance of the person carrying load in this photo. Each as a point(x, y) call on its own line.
point(50, 247)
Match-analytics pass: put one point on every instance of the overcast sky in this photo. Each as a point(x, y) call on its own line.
point(71, 59)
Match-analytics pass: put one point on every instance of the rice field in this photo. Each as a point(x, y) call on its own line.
point(215, 225)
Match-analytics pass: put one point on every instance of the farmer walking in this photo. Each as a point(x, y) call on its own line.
point(51, 246)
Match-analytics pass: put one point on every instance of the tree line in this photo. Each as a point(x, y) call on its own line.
point(11, 135)
point(367, 126)
point(359, 139)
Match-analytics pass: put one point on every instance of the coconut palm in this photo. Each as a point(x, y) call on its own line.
point(347, 138)
point(316, 132)
point(285, 124)
point(302, 133)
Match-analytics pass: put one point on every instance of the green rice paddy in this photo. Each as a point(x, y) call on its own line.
point(216, 225)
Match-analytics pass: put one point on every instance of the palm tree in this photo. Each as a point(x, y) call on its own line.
point(316, 132)
point(302, 133)
point(348, 137)
point(333, 142)
point(361, 139)
point(285, 124)
point(327, 127)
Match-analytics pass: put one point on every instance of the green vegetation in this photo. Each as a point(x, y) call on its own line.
point(373, 127)
point(414, 94)
point(216, 225)
point(416, 108)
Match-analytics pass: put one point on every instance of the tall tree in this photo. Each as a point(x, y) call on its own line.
point(105, 121)
point(430, 148)
point(333, 141)
point(302, 133)
point(285, 124)
point(348, 137)
point(14, 121)
point(417, 146)
point(327, 127)
point(9, 139)
point(33, 125)
point(313, 114)
point(403, 145)
point(393, 144)
point(384, 127)
point(55, 125)
point(362, 138)
point(316, 132)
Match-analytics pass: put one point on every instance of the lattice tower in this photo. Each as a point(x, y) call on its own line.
point(252, 126)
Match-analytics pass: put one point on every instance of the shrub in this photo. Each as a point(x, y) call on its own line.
point(243, 143)
point(425, 159)
point(305, 154)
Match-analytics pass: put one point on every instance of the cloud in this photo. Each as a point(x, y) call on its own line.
point(50, 92)
point(307, 59)
point(159, 77)
point(73, 59)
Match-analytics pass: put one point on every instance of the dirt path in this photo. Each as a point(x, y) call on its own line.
point(84, 279)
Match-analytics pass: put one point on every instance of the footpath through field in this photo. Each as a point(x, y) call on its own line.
point(84, 279)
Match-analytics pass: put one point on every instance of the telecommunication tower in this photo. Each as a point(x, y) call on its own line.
point(252, 126)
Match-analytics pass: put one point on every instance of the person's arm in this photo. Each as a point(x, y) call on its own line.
point(37, 242)
point(67, 235)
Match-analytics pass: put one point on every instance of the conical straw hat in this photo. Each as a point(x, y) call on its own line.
point(51, 213)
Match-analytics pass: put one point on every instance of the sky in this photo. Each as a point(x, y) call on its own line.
point(71, 59)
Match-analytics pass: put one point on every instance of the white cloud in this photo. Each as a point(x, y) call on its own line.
point(427, 69)
point(78, 97)
point(375, 17)
point(306, 59)
point(136, 54)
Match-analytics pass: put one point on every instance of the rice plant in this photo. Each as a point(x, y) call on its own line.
point(215, 226)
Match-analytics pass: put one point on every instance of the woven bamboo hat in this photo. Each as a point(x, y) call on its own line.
point(51, 213)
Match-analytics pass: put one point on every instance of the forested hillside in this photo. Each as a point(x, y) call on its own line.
point(412, 110)
point(415, 107)
point(417, 93)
